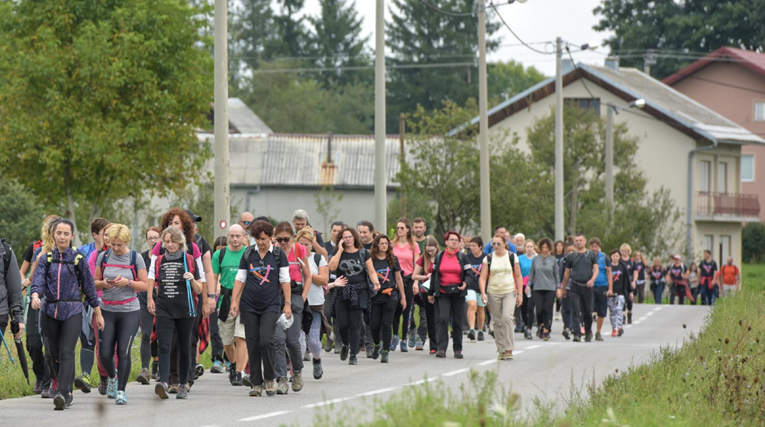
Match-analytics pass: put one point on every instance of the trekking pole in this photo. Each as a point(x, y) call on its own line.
point(7, 349)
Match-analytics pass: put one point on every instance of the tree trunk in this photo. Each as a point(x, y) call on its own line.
point(71, 209)
point(574, 208)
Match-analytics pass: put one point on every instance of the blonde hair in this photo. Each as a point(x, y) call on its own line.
point(625, 246)
point(304, 233)
point(46, 233)
point(176, 235)
point(118, 232)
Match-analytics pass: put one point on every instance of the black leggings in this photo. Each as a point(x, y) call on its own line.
point(259, 331)
point(544, 300)
point(62, 339)
point(380, 319)
point(449, 308)
point(35, 347)
point(349, 322)
point(165, 328)
point(430, 318)
point(120, 329)
point(148, 349)
point(404, 313)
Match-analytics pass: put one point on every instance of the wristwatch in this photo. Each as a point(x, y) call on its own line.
point(211, 295)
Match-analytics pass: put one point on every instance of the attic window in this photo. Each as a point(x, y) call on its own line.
point(584, 104)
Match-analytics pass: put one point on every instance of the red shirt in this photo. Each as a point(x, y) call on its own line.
point(421, 263)
point(450, 270)
point(296, 270)
point(729, 273)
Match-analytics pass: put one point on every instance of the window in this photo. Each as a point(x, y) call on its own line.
point(585, 104)
point(759, 111)
point(705, 173)
point(709, 243)
point(724, 248)
point(747, 168)
point(722, 177)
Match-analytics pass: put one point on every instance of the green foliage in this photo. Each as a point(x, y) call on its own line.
point(507, 79)
point(753, 242)
point(327, 201)
point(21, 215)
point(680, 28)
point(100, 101)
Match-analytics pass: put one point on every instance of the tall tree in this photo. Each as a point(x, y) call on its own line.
point(507, 79)
point(679, 29)
point(290, 30)
point(418, 35)
point(100, 101)
point(337, 42)
point(252, 30)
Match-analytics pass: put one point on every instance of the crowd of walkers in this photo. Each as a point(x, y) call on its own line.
point(265, 296)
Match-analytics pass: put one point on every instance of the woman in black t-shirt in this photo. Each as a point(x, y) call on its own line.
point(177, 280)
point(149, 350)
point(658, 282)
point(354, 263)
point(385, 302)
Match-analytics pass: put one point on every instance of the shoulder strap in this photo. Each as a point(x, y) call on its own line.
point(317, 259)
point(6, 256)
point(104, 259)
point(221, 255)
point(156, 269)
point(489, 257)
point(77, 271)
point(278, 256)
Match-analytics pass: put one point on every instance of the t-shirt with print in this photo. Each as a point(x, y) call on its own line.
point(472, 276)
point(262, 281)
point(227, 268)
point(580, 265)
point(110, 273)
point(630, 264)
point(676, 273)
point(708, 268)
point(406, 255)
point(501, 274)
point(297, 253)
point(658, 274)
point(353, 266)
point(172, 293)
point(386, 275)
point(621, 279)
point(316, 293)
point(640, 268)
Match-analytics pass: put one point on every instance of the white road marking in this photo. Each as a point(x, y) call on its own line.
point(629, 326)
point(636, 322)
point(657, 308)
point(533, 347)
point(328, 402)
point(372, 393)
point(264, 416)
point(488, 362)
point(517, 352)
point(457, 372)
point(421, 381)
point(650, 313)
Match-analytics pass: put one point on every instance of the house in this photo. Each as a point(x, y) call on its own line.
point(677, 136)
point(731, 82)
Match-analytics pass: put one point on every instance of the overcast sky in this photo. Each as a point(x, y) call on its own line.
point(533, 21)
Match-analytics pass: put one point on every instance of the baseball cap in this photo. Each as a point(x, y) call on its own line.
point(195, 218)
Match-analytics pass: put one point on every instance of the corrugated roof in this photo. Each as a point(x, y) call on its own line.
point(754, 61)
point(243, 119)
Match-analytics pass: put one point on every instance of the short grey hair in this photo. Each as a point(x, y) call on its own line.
point(300, 214)
point(176, 235)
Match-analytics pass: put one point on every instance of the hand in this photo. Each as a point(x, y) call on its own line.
point(26, 282)
point(21, 331)
point(151, 307)
point(429, 274)
point(462, 287)
point(590, 283)
point(188, 276)
point(484, 299)
point(340, 248)
point(632, 296)
point(121, 282)
point(562, 292)
point(527, 289)
point(287, 310)
point(519, 300)
point(100, 322)
point(376, 286)
point(340, 282)
point(403, 303)
point(415, 289)
point(610, 293)
point(35, 302)
point(634, 285)
point(211, 304)
point(234, 309)
point(431, 299)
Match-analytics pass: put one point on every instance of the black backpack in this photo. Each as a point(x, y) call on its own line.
point(7, 250)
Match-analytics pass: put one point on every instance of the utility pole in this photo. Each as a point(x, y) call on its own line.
point(221, 150)
point(559, 179)
point(381, 220)
point(483, 130)
point(402, 158)
point(610, 162)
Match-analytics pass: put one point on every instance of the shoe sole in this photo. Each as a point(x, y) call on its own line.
point(142, 380)
point(216, 370)
point(59, 403)
point(81, 385)
point(161, 392)
point(254, 393)
point(198, 372)
point(247, 382)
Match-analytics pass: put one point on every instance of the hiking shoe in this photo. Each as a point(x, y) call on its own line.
point(45, 393)
point(59, 402)
point(376, 351)
point(412, 340)
point(38, 387)
point(432, 351)
point(458, 354)
point(480, 335)
point(344, 352)
point(199, 371)
point(394, 343)
point(69, 401)
point(614, 332)
point(353, 360)
point(297, 381)
point(629, 318)
point(154, 370)
point(471, 335)
point(256, 391)
point(307, 356)
point(588, 337)
point(82, 383)
point(161, 390)
point(501, 356)
point(270, 387)
point(539, 333)
point(370, 353)
point(441, 354)
point(404, 349)
point(121, 398)
point(217, 367)
point(518, 329)
point(282, 386)
point(384, 358)
point(545, 336)
point(338, 348)
point(246, 381)
point(111, 388)
point(318, 371)
point(528, 335)
point(328, 343)
point(621, 332)
point(509, 356)
point(183, 392)
point(173, 388)
point(567, 333)
point(144, 377)
point(577, 338)
point(598, 336)
point(235, 378)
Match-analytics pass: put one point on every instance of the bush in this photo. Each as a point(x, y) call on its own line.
point(753, 236)
point(21, 215)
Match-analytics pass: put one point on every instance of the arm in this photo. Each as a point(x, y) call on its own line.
point(307, 276)
point(518, 279)
point(236, 296)
point(335, 260)
point(400, 286)
point(150, 297)
point(89, 288)
point(320, 249)
point(482, 281)
point(372, 274)
point(15, 300)
point(208, 304)
point(322, 278)
point(634, 278)
point(532, 271)
point(610, 276)
point(417, 273)
point(563, 282)
point(595, 272)
point(140, 285)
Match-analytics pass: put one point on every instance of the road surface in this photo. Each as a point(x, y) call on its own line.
point(540, 369)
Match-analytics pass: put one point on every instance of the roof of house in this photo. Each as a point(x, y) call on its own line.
point(754, 61)
point(662, 102)
point(294, 160)
point(241, 120)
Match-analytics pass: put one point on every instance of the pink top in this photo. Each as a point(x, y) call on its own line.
point(92, 265)
point(451, 273)
point(405, 257)
point(296, 272)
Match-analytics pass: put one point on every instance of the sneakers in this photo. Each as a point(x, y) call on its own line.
point(598, 336)
point(614, 332)
point(557, 316)
point(567, 333)
point(545, 336)
point(329, 342)
point(458, 354)
point(577, 338)
point(121, 398)
point(440, 354)
point(480, 335)
point(69, 401)
point(404, 349)
point(270, 387)
point(161, 390)
point(384, 358)
point(144, 377)
point(353, 360)
point(501, 356)
point(217, 367)
point(307, 356)
point(318, 371)
point(412, 340)
point(297, 381)
point(338, 348)
point(172, 388)
point(45, 393)
point(539, 333)
point(432, 351)
point(82, 383)
point(235, 378)
point(527, 334)
point(199, 371)
point(282, 386)
point(370, 353)
point(376, 351)
point(621, 332)
point(111, 388)
point(394, 343)
point(509, 356)
point(154, 369)
point(59, 402)
point(588, 337)
point(256, 391)
point(518, 329)
point(471, 335)
point(344, 353)
point(38, 387)
point(246, 381)
point(102, 387)
point(629, 318)
point(183, 392)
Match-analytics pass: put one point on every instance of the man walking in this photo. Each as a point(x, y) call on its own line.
point(731, 278)
point(583, 269)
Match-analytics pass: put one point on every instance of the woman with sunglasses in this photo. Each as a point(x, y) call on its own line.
point(407, 251)
point(386, 301)
point(148, 349)
point(543, 277)
point(447, 291)
point(300, 284)
point(354, 263)
point(423, 271)
point(499, 283)
point(476, 308)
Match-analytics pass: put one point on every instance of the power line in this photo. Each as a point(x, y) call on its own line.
point(446, 12)
point(577, 68)
point(360, 68)
point(516, 35)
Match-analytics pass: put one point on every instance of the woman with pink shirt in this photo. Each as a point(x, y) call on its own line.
point(407, 251)
point(447, 291)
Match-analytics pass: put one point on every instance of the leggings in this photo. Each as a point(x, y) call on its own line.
point(526, 307)
point(120, 329)
point(35, 347)
point(62, 339)
point(182, 328)
point(543, 300)
point(430, 319)
point(313, 339)
point(148, 348)
point(628, 302)
point(349, 322)
point(404, 313)
point(449, 308)
point(259, 330)
point(381, 318)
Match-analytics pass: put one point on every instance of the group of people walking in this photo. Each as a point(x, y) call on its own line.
point(266, 296)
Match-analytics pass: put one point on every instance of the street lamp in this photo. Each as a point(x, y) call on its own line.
point(637, 103)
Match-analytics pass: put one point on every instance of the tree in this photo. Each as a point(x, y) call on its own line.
point(291, 33)
point(21, 215)
point(327, 201)
point(101, 101)
point(753, 242)
point(507, 79)
point(252, 28)
point(337, 42)
point(679, 28)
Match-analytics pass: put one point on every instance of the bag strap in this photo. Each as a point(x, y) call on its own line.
point(221, 255)
point(317, 259)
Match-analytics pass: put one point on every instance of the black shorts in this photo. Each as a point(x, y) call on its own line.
point(600, 294)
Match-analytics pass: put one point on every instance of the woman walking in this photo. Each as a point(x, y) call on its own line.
point(149, 351)
point(390, 297)
point(618, 291)
point(560, 253)
point(678, 273)
point(476, 308)
point(693, 283)
point(61, 276)
point(641, 266)
point(423, 272)
point(354, 263)
point(658, 281)
point(543, 277)
point(625, 251)
point(407, 251)
point(120, 274)
point(447, 291)
point(499, 276)
point(525, 260)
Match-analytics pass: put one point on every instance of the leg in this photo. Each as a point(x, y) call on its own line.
point(641, 293)
point(538, 300)
point(422, 330)
point(342, 319)
point(408, 293)
point(547, 318)
point(577, 309)
point(443, 314)
point(354, 327)
point(501, 328)
point(53, 344)
point(279, 344)
point(457, 303)
point(185, 329)
point(107, 340)
point(267, 327)
point(165, 335)
point(252, 331)
point(147, 322)
point(87, 346)
point(293, 334)
point(35, 347)
point(386, 319)
point(313, 340)
point(216, 344)
point(587, 302)
point(430, 313)
point(480, 317)
point(126, 329)
point(472, 309)
point(375, 322)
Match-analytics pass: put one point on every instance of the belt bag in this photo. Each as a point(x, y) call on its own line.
point(123, 302)
point(296, 288)
point(451, 289)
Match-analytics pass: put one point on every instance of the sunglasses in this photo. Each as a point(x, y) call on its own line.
point(246, 223)
point(283, 239)
point(400, 228)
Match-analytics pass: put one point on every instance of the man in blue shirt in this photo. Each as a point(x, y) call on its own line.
point(97, 227)
point(600, 288)
point(499, 231)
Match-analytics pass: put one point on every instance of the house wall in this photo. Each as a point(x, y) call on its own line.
point(741, 88)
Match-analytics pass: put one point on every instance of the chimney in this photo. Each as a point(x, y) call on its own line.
point(328, 167)
point(612, 62)
point(568, 65)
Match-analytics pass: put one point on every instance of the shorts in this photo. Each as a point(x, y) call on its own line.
point(729, 290)
point(230, 329)
point(474, 296)
point(600, 294)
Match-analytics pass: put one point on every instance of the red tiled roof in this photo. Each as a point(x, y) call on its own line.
point(752, 60)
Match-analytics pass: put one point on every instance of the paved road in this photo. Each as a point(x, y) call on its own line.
point(540, 369)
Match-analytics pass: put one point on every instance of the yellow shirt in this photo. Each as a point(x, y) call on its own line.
point(501, 275)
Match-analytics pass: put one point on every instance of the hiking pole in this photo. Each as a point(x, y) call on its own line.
point(7, 349)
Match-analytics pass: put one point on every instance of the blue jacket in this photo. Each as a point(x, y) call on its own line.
point(602, 279)
point(489, 249)
point(58, 284)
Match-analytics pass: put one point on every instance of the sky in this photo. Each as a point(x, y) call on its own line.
point(533, 21)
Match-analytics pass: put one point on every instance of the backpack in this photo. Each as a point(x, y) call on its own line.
point(317, 259)
point(7, 251)
point(131, 267)
point(512, 260)
point(276, 251)
point(189, 261)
